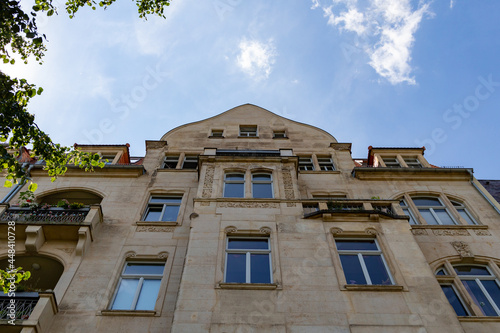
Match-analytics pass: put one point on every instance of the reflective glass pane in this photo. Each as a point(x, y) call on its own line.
point(153, 214)
point(260, 270)
point(493, 290)
point(471, 270)
point(454, 300)
point(144, 269)
point(479, 298)
point(407, 212)
point(170, 213)
point(234, 190)
point(376, 269)
point(148, 295)
point(360, 245)
point(125, 294)
point(428, 217)
point(352, 269)
point(236, 267)
point(165, 199)
point(441, 272)
point(443, 216)
point(262, 190)
point(465, 216)
point(235, 176)
point(261, 177)
point(248, 244)
point(426, 202)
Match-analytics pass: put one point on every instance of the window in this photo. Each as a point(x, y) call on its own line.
point(170, 162)
point(262, 185)
point(138, 287)
point(248, 260)
point(279, 135)
point(217, 133)
point(464, 213)
point(391, 162)
point(480, 286)
point(412, 162)
point(248, 130)
point(163, 208)
point(234, 185)
point(433, 211)
point(107, 159)
point(407, 211)
point(190, 162)
point(326, 164)
point(306, 164)
point(363, 262)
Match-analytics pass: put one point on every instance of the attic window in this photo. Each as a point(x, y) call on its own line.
point(279, 135)
point(170, 162)
point(217, 133)
point(248, 130)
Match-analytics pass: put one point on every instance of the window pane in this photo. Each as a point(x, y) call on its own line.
point(479, 298)
point(248, 244)
point(236, 267)
point(492, 288)
point(171, 213)
point(148, 295)
point(234, 190)
point(153, 214)
point(428, 217)
point(144, 269)
point(471, 270)
point(465, 216)
point(165, 199)
point(376, 269)
point(356, 245)
point(426, 202)
point(407, 212)
point(261, 177)
point(260, 270)
point(262, 190)
point(125, 294)
point(443, 216)
point(235, 176)
point(454, 300)
point(352, 269)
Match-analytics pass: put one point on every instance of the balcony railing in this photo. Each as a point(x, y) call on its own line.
point(21, 308)
point(381, 207)
point(54, 215)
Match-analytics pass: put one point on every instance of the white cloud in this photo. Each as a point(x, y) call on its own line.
point(256, 58)
point(387, 30)
point(451, 4)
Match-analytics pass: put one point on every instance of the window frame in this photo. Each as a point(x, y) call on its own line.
point(280, 134)
point(140, 284)
point(247, 131)
point(410, 214)
point(306, 166)
point(325, 166)
point(213, 131)
point(391, 164)
point(150, 204)
point(226, 181)
point(412, 162)
point(189, 159)
point(248, 253)
point(170, 159)
point(432, 209)
point(270, 182)
point(459, 206)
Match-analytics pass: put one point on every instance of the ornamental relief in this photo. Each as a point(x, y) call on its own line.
point(419, 232)
point(208, 182)
point(144, 228)
point(463, 249)
point(248, 205)
point(446, 232)
point(480, 232)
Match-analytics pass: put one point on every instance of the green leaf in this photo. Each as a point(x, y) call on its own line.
point(7, 183)
point(33, 187)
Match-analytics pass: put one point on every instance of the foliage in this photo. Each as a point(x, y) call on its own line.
point(19, 34)
point(76, 205)
point(14, 276)
point(27, 199)
point(63, 203)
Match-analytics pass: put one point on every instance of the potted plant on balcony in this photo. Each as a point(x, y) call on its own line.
point(27, 200)
point(76, 205)
point(62, 204)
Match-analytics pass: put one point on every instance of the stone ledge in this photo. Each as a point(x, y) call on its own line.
point(248, 286)
point(372, 287)
point(478, 319)
point(157, 224)
point(132, 313)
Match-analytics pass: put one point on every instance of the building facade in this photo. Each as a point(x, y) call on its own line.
point(251, 222)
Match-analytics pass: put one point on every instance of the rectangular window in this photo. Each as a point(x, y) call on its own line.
point(234, 185)
point(306, 164)
point(248, 260)
point(262, 185)
point(391, 162)
point(412, 162)
point(326, 164)
point(138, 287)
point(363, 262)
point(217, 133)
point(163, 208)
point(248, 130)
point(107, 159)
point(279, 135)
point(170, 162)
point(190, 162)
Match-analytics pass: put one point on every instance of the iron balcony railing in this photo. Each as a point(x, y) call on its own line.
point(21, 308)
point(347, 206)
point(56, 215)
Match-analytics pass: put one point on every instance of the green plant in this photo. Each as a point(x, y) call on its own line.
point(27, 199)
point(76, 205)
point(63, 203)
point(9, 279)
point(375, 198)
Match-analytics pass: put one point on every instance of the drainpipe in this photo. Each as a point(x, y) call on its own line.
point(17, 187)
point(477, 185)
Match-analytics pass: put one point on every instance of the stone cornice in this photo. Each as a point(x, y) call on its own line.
point(448, 174)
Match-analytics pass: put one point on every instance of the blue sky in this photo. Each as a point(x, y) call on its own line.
point(381, 73)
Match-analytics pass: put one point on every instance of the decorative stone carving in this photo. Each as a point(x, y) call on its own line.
point(130, 254)
point(335, 231)
point(67, 250)
point(419, 232)
point(371, 231)
point(205, 203)
point(290, 204)
point(481, 232)
point(248, 204)
point(451, 232)
point(230, 229)
point(463, 249)
point(265, 230)
point(163, 255)
point(208, 183)
point(288, 184)
point(145, 228)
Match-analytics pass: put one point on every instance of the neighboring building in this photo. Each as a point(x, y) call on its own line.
point(251, 222)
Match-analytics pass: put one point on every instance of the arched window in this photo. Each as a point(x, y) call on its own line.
point(262, 185)
point(433, 211)
point(464, 213)
point(234, 185)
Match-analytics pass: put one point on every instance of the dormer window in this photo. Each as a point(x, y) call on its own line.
point(391, 162)
point(279, 135)
point(170, 162)
point(412, 162)
point(217, 133)
point(248, 131)
point(190, 162)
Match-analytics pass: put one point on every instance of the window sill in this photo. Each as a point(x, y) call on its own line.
point(448, 226)
point(216, 137)
point(372, 287)
point(482, 318)
point(248, 286)
point(285, 138)
point(307, 172)
point(247, 137)
point(176, 170)
point(133, 313)
point(157, 224)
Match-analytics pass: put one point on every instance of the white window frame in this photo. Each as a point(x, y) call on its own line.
point(360, 254)
point(459, 297)
point(306, 163)
point(391, 162)
point(226, 181)
point(325, 163)
point(478, 279)
point(270, 182)
point(214, 131)
point(190, 159)
point(248, 253)
point(279, 135)
point(433, 213)
point(164, 204)
point(458, 206)
point(141, 278)
point(248, 131)
point(170, 159)
point(412, 162)
point(406, 209)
